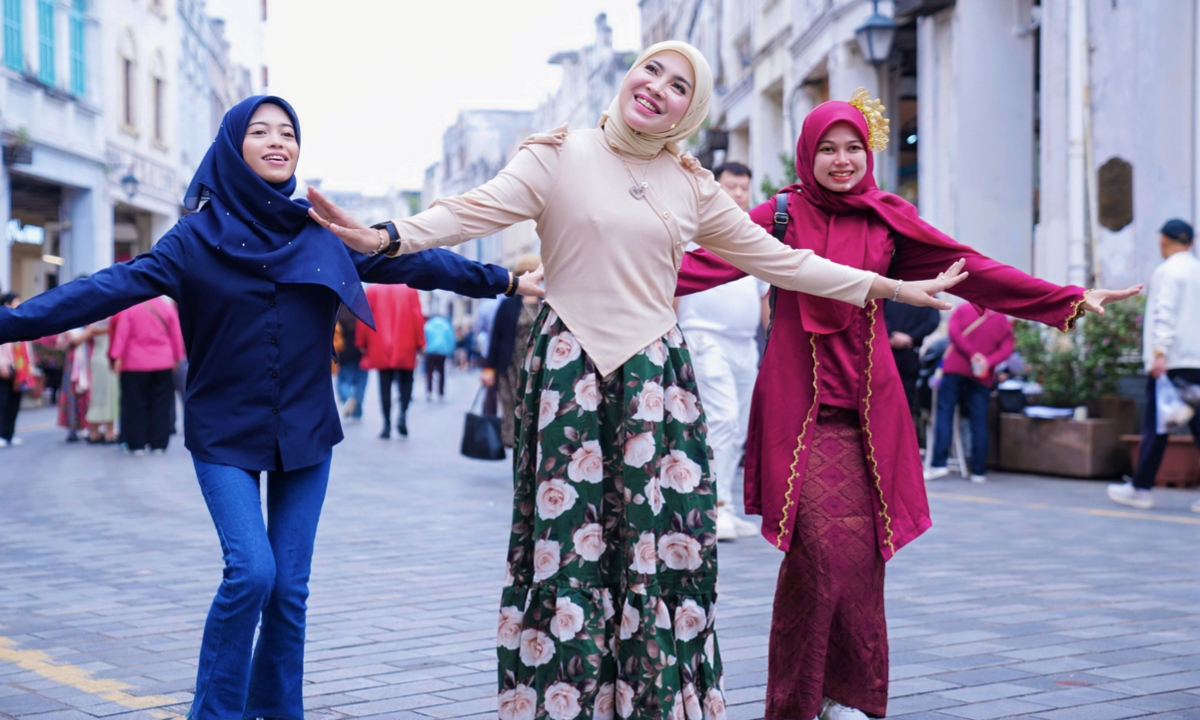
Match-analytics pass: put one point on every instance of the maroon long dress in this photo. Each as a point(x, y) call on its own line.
point(832, 462)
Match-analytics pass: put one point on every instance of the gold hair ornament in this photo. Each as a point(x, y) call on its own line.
point(877, 125)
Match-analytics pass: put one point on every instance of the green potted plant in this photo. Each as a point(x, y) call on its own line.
point(18, 147)
point(1080, 368)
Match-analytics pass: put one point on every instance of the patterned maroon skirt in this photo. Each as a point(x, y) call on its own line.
point(828, 631)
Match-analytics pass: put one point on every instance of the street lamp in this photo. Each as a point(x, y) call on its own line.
point(875, 37)
point(129, 184)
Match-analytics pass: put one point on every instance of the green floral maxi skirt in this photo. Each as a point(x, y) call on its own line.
point(610, 595)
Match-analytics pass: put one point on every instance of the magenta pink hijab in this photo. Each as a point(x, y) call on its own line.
point(842, 226)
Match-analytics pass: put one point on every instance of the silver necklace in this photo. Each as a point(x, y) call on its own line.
point(637, 190)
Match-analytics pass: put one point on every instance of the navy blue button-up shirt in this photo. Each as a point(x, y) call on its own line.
point(259, 394)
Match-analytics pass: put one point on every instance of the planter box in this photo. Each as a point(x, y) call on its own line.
point(1181, 462)
point(1070, 448)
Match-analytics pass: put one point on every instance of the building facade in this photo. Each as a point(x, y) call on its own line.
point(105, 111)
point(474, 149)
point(1056, 137)
point(53, 187)
point(139, 49)
point(591, 77)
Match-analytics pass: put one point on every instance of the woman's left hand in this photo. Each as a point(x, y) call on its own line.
point(349, 230)
point(531, 283)
point(1095, 300)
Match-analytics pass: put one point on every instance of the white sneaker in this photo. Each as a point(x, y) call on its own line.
point(1126, 494)
point(979, 479)
point(16, 442)
point(936, 473)
point(3, 443)
point(350, 406)
point(726, 530)
point(832, 710)
point(1196, 507)
point(744, 527)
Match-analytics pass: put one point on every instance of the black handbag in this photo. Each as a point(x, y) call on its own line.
point(481, 434)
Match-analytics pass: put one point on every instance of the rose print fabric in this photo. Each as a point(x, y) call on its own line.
point(610, 599)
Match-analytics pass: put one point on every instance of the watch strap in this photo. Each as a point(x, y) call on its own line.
point(393, 248)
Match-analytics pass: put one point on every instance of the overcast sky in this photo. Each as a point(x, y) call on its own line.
point(375, 83)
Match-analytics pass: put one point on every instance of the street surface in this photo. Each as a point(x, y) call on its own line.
point(1030, 598)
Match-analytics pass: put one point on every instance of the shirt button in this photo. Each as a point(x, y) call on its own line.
point(271, 304)
point(666, 215)
point(274, 411)
point(274, 374)
point(274, 341)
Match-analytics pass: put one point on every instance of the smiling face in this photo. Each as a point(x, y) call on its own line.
point(270, 147)
point(841, 158)
point(656, 94)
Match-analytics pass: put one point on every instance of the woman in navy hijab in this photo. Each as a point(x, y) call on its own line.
point(258, 286)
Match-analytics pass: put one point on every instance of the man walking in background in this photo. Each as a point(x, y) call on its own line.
point(720, 326)
point(392, 347)
point(1171, 348)
point(907, 327)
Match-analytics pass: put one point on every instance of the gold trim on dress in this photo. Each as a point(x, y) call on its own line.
point(887, 520)
point(1077, 312)
point(788, 502)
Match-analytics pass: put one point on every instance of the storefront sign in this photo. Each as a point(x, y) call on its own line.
point(28, 234)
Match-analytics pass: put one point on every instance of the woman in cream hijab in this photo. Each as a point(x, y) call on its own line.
point(610, 591)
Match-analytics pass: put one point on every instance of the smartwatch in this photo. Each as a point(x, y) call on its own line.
point(393, 237)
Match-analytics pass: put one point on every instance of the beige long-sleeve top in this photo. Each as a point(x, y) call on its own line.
point(612, 260)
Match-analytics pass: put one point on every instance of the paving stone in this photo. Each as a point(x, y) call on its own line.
point(116, 563)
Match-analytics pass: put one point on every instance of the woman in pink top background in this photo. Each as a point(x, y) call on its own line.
point(979, 341)
point(146, 346)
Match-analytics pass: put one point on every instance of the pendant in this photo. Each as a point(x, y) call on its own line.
point(637, 191)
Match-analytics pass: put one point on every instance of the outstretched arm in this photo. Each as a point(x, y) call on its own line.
point(101, 295)
point(701, 270)
point(519, 192)
point(1005, 289)
point(739, 239)
point(444, 270)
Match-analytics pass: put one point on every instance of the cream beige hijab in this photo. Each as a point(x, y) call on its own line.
point(626, 139)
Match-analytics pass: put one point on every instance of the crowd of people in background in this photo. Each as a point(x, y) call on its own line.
point(114, 382)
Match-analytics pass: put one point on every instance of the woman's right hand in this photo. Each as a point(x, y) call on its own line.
point(922, 293)
point(349, 230)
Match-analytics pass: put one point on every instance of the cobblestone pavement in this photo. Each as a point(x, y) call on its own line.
point(1030, 597)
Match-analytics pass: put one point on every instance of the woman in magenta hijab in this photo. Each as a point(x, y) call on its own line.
point(831, 462)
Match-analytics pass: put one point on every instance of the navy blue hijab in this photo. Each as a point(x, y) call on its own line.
point(257, 225)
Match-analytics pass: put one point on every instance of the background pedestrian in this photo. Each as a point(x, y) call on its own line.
point(146, 347)
point(907, 327)
point(721, 327)
point(104, 410)
point(440, 345)
point(16, 377)
point(392, 347)
point(351, 377)
point(507, 348)
point(75, 393)
point(978, 343)
point(1170, 348)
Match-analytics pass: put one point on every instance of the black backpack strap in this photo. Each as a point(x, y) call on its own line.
point(779, 227)
point(779, 230)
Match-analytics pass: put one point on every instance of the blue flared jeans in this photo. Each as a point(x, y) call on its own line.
point(267, 565)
